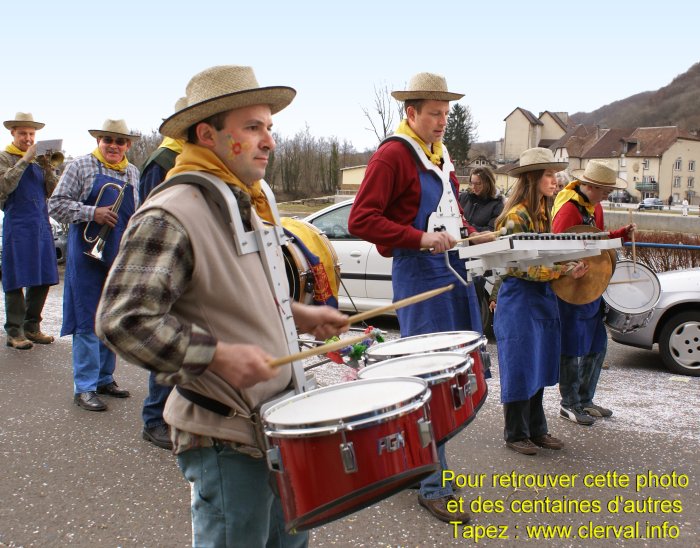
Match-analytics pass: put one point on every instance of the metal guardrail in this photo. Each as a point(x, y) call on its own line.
point(664, 246)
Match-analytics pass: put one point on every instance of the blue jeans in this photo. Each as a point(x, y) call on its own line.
point(578, 378)
point(154, 403)
point(431, 487)
point(232, 503)
point(93, 363)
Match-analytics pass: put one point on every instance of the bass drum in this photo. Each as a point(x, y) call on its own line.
point(311, 264)
point(631, 297)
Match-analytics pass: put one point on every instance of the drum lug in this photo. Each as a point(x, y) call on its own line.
point(458, 395)
point(473, 387)
point(274, 460)
point(347, 454)
point(485, 359)
point(425, 432)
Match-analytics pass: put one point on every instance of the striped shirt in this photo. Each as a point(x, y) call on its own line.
point(66, 203)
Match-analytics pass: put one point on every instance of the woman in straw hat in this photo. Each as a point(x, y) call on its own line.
point(526, 322)
point(103, 174)
point(583, 336)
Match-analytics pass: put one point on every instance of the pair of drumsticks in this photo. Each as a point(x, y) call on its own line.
point(331, 347)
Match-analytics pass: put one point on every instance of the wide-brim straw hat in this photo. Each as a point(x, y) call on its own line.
point(599, 174)
point(23, 119)
point(426, 85)
point(537, 158)
point(114, 128)
point(220, 89)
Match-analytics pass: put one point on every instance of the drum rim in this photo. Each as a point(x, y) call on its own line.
point(654, 279)
point(437, 376)
point(370, 354)
point(351, 422)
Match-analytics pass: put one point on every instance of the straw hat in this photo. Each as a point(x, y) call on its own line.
point(426, 85)
point(219, 89)
point(537, 158)
point(114, 128)
point(23, 119)
point(180, 103)
point(599, 174)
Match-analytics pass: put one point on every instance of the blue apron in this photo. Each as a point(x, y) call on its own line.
point(86, 276)
point(28, 251)
point(527, 331)
point(582, 329)
point(414, 271)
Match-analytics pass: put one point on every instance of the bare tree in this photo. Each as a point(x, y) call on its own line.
point(381, 115)
point(142, 148)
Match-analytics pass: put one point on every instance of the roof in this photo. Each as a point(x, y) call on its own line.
point(612, 144)
point(578, 139)
point(559, 118)
point(529, 115)
point(654, 141)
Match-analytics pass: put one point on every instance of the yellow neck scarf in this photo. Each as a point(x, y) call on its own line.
point(173, 144)
point(121, 166)
point(198, 158)
point(569, 194)
point(434, 155)
point(12, 149)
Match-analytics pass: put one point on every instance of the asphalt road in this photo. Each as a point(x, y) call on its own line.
point(72, 477)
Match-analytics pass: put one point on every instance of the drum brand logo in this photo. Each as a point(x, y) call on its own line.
point(391, 443)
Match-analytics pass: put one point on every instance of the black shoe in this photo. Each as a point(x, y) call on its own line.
point(158, 435)
point(112, 389)
point(577, 415)
point(90, 401)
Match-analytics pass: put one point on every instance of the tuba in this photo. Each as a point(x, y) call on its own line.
point(100, 240)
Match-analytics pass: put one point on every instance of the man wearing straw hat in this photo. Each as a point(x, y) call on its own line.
point(28, 251)
point(404, 183)
point(583, 336)
point(211, 315)
point(89, 188)
point(153, 172)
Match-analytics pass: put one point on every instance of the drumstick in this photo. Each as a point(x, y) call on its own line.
point(627, 282)
point(323, 349)
point(500, 232)
point(634, 246)
point(399, 304)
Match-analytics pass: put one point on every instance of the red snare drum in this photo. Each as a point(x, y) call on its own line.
point(339, 449)
point(447, 375)
point(464, 342)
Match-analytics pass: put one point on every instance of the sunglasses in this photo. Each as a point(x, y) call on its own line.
point(120, 141)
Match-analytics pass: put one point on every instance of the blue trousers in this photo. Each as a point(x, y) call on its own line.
point(431, 487)
point(232, 503)
point(93, 363)
point(153, 405)
point(578, 378)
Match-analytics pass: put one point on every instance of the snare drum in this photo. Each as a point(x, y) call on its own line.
point(447, 375)
point(630, 305)
point(309, 283)
point(464, 342)
point(339, 449)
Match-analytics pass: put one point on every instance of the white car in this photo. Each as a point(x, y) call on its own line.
point(365, 274)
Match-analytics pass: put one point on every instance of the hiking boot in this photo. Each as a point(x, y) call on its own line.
point(548, 442)
point(524, 447)
point(438, 508)
point(596, 410)
point(158, 435)
point(577, 415)
point(39, 337)
point(20, 343)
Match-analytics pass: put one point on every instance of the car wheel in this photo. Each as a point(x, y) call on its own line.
point(679, 343)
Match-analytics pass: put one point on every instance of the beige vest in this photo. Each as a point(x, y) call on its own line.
point(229, 296)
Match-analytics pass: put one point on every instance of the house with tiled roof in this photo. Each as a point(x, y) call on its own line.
point(525, 130)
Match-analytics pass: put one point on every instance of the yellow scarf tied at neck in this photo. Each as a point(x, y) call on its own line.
point(435, 155)
point(12, 149)
point(173, 144)
point(198, 158)
point(569, 194)
point(121, 166)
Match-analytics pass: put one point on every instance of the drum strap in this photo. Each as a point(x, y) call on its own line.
point(203, 401)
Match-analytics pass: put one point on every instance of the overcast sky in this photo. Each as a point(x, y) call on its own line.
point(74, 64)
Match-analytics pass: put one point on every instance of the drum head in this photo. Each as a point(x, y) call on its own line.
point(633, 288)
point(419, 344)
point(426, 366)
point(344, 403)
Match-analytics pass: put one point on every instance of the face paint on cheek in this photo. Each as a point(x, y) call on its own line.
point(236, 147)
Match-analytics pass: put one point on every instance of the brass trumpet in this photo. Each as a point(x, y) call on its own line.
point(100, 240)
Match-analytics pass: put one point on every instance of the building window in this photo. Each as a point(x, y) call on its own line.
point(676, 182)
point(691, 182)
point(645, 163)
point(691, 165)
point(677, 165)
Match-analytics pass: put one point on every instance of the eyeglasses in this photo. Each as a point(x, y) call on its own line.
point(120, 141)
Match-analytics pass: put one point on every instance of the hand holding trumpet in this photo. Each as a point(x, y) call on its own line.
point(105, 216)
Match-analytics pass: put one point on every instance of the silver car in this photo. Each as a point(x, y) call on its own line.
point(674, 323)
